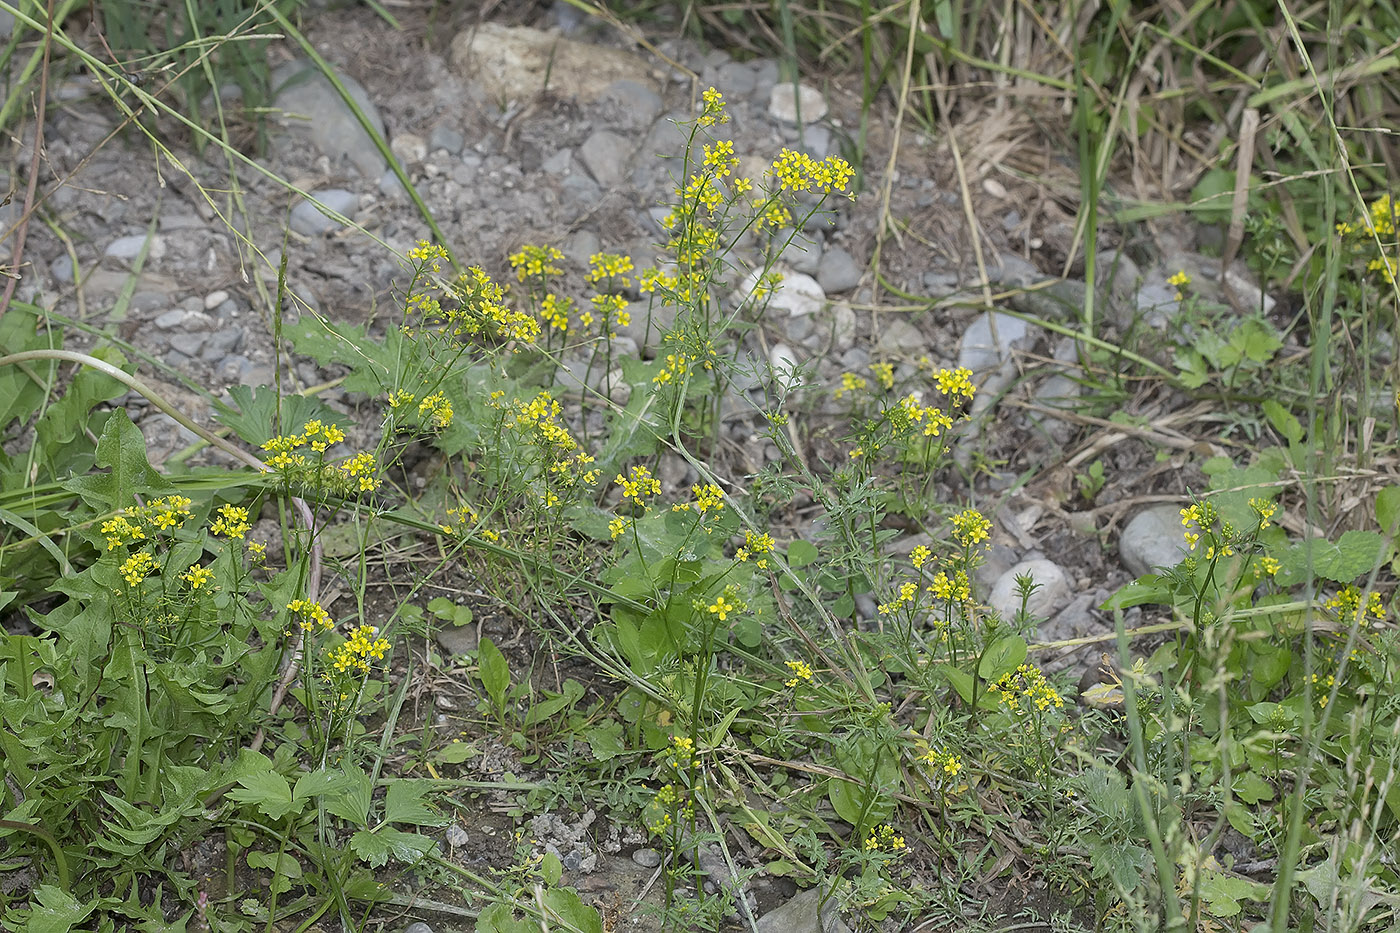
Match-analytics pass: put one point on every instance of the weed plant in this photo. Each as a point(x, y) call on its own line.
point(198, 734)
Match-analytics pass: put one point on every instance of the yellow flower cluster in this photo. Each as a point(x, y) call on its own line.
point(907, 592)
point(361, 469)
point(1178, 281)
point(555, 310)
point(1026, 689)
point(1380, 220)
point(757, 546)
point(801, 673)
point(355, 654)
point(565, 459)
point(310, 616)
point(954, 589)
point(667, 801)
point(850, 382)
point(1264, 509)
point(137, 567)
point(678, 364)
point(127, 526)
point(944, 763)
point(638, 485)
point(464, 517)
point(712, 108)
point(920, 556)
point(535, 262)
point(120, 531)
point(611, 267)
point(970, 527)
point(619, 526)
point(285, 448)
point(799, 172)
point(726, 604)
point(232, 522)
point(197, 576)
point(884, 374)
point(884, 837)
point(708, 504)
point(1348, 605)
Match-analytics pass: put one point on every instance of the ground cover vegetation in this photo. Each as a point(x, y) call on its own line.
point(193, 739)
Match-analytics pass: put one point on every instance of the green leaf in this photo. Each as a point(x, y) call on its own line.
point(550, 868)
point(564, 906)
point(498, 918)
point(62, 421)
point(1252, 789)
point(266, 790)
point(605, 741)
point(321, 783)
point(1283, 421)
point(352, 804)
point(1355, 553)
point(372, 363)
point(1256, 340)
point(494, 672)
point(122, 449)
point(56, 911)
point(455, 753)
point(376, 848)
point(253, 414)
point(961, 681)
point(403, 803)
point(1388, 509)
point(801, 553)
point(1001, 657)
point(1149, 589)
point(279, 863)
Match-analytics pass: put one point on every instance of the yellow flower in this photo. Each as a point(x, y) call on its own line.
point(137, 567)
point(800, 672)
point(970, 527)
point(638, 484)
point(197, 576)
point(721, 608)
point(310, 615)
point(920, 556)
point(231, 523)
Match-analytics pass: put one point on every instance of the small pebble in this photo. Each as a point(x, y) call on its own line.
point(647, 858)
point(214, 299)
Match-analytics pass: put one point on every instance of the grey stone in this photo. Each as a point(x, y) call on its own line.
point(785, 102)
point(816, 141)
point(558, 163)
point(62, 269)
point(638, 104)
point(314, 108)
point(805, 913)
point(127, 248)
point(1076, 620)
point(1012, 271)
point(797, 295)
point(647, 858)
point(1152, 540)
point(898, 337)
point(188, 342)
point(1047, 599)
point(666, 139)
point(7, 23)
point(448, 138)
point(171, 319)
point(458, 639)
point(221, 343)
point(940, 284)
point(581, 189)
point(839, 271)
point(418, 927)
point(307, 218)
point(580, 246)
point(605, 154)
point(765, 76)
point(390, 186)
point(1156, 303)
point(456, 835)
point(981, 351)
point(1011, 221)
point(214, 299)
point(648, 324)
point(803, 253)
point(409, 148)
point(735, 80)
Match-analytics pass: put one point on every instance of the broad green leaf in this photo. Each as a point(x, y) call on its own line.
point(455, 753)
point(1354, 554)
point(253, 414)
point(1388, 510)
point(266, 790)
point(376, 848)
point(403, 803)
point(564, 906)
point(1150, 589)
point(961, 681)
point(1001, 657)
point(494, 671)
point(122, 450)
point(605, 740)
point(1251, 788)
point(280, 863)
point(1283, 421)
point(63, 420)
point(846, 799)
point(56, 911)
point(372, 363)
point(801, 553)
point(498, 918)
point(320, 783)
point(1256, 340)
point(352, 803)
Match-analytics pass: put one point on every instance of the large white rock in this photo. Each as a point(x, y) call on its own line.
point(512, 62)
